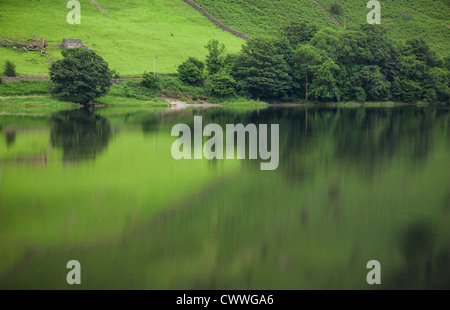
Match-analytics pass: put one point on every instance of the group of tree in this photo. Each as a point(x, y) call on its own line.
point(300, 63)
point(326, 65)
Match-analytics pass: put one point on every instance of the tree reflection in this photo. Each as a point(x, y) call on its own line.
point(10, 136)
point(80, 133)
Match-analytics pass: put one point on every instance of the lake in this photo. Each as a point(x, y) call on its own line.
point(353, 184)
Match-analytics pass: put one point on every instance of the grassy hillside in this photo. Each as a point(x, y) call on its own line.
point(429, 20)
point(170, 30)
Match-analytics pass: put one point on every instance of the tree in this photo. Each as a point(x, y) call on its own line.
point(214, 59)
point(336, 8)
point(422, 51)
point(297, 33)
point(149, 81)
point(439, 89)
point(81, 76)
point(222, 85)
point(261, 71)
point(191, 71)
point(10, 69)
point(312, 67)
point(328, 40)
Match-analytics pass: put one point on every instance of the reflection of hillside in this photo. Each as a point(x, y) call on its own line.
point(80, 133)
point(41, 159)
point(32, 148)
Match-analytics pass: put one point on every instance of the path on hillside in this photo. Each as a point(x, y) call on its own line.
point(327, 13)
point(101, 9)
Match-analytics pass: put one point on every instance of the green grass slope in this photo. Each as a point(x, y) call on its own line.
point(139, 31)
point(429, 20)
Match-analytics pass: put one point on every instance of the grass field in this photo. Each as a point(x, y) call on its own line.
point(171, 30)
point(141, 30)
point(424, 19)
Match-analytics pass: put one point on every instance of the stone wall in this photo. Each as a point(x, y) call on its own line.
point(215, 21)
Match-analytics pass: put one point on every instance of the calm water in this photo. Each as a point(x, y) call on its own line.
point(353, 185)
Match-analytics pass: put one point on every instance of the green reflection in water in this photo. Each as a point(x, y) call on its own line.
point(354, 184)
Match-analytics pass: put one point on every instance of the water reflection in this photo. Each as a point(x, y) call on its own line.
point(81, 133)
point(353, 185)
point(10, 136)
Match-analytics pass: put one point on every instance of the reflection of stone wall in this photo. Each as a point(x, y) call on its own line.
point(215, 21)
point(72, 43)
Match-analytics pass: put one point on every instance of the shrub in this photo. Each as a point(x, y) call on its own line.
point(10, 69)
point(115, 74)
point(131, 89)
point(149, 81)
point(297, 33)
point(214, 59)
point(222, 85)
point(24, 88)
point(81, 76)
point(1, 80)
point(336, 8)
point(191, 71)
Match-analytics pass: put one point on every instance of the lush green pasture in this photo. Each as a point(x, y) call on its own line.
point(141, 30)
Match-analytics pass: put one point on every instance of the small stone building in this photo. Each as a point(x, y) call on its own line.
point(72, 43)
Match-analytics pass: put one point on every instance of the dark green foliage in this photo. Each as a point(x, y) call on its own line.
point(350, 65)
point(372, 68)
point(261, 71)
point(149, 81)
point(407, 90)
point(191, 71)
point(228, 61)
point(336, 8)
point(374, 83)
point(1, 80)
point(222, 85)
point(214, 59)
point(316, 74)
point(439, 85)
point(297, 33)
point(81, 76)
point(10, 69)
point(422, 51)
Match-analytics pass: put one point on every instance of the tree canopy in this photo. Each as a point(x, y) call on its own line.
point(81, 76)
